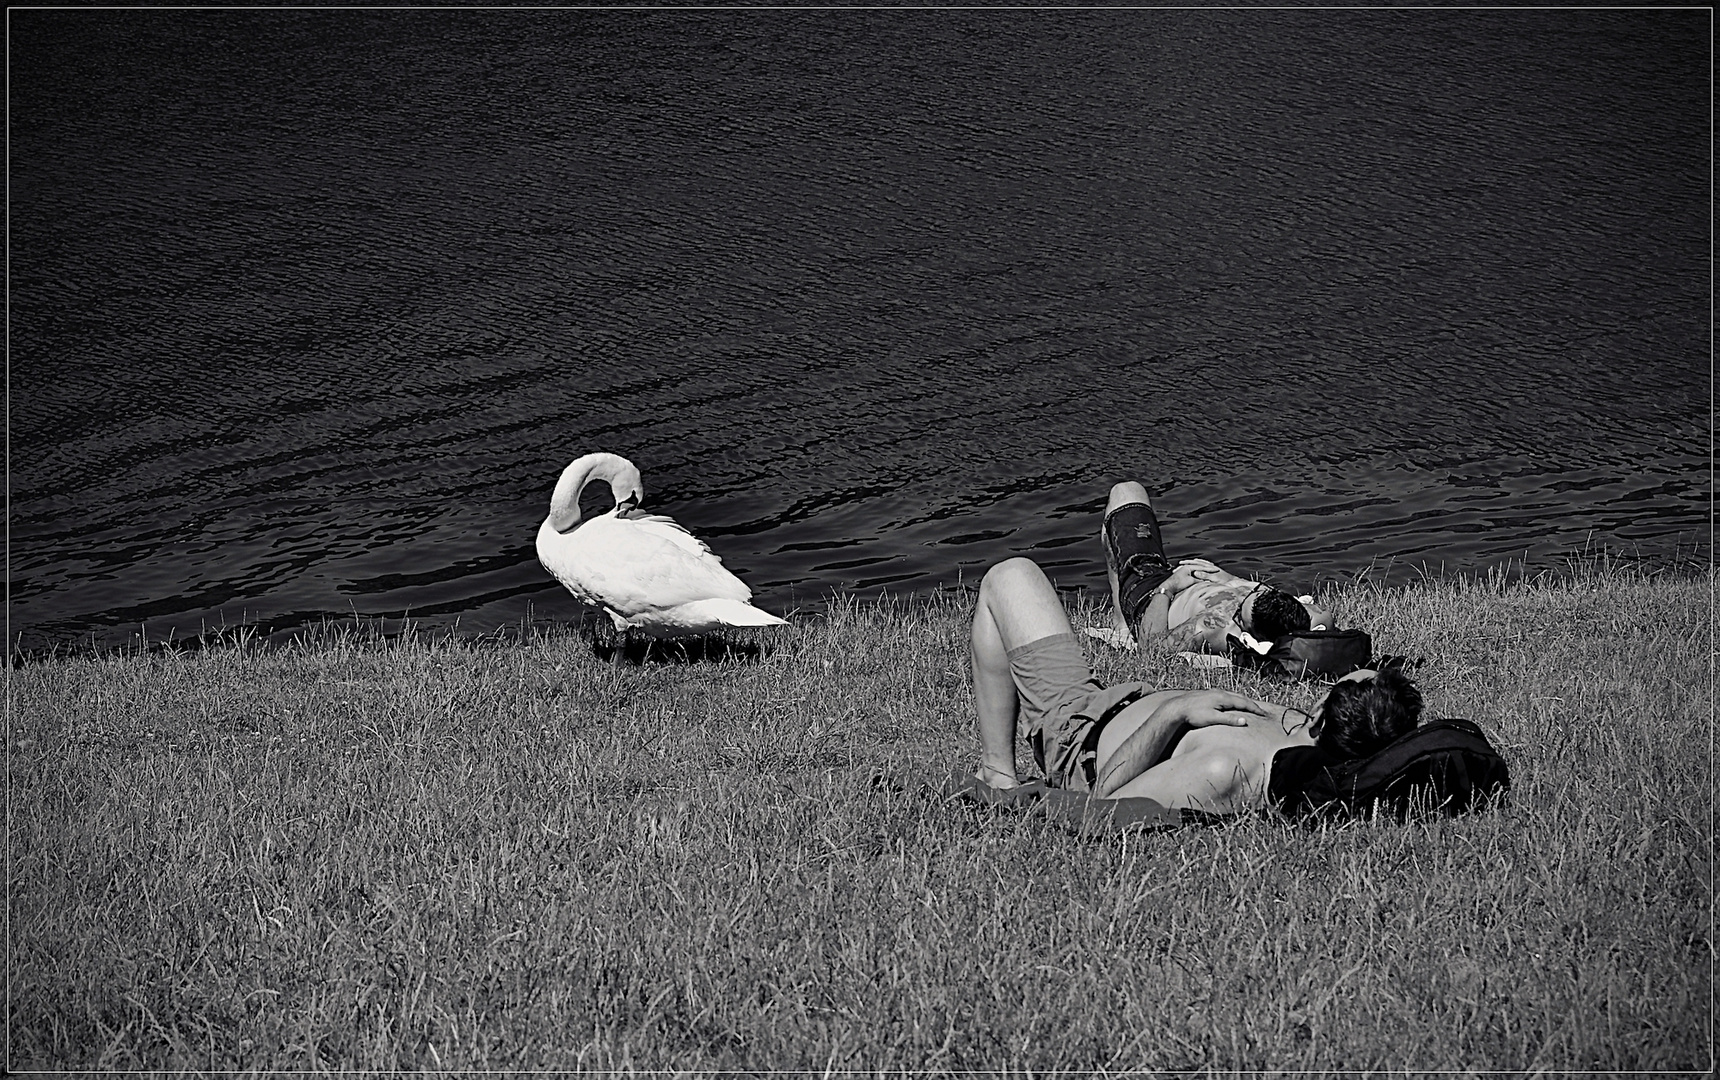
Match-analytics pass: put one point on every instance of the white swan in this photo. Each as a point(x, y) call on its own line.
point(646, 571)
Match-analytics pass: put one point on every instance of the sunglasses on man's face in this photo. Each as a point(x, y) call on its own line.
point(1237, 618)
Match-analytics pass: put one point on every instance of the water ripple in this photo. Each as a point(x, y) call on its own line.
point(309, 308)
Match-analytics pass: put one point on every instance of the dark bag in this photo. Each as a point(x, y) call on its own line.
point(1309, 654)
point(1444, 766)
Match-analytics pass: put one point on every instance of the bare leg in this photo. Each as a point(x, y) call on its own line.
point(1121, 495)
point(1017, 604)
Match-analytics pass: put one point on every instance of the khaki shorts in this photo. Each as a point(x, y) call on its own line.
point(1061, 702)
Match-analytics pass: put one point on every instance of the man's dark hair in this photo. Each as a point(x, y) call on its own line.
point(1277, 615)
point(1361, 717)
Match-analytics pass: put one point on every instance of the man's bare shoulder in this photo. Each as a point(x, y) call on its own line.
point(1228, 770)
point(1259, 740)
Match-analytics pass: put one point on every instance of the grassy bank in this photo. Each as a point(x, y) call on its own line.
point(356, 853)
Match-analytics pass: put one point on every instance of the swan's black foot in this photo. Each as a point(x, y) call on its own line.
point(614, 647)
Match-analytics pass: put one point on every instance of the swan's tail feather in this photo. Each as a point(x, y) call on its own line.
point(727, 613)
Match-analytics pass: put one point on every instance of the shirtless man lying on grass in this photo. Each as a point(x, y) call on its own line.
point(1196, 606)
point(1208, 750)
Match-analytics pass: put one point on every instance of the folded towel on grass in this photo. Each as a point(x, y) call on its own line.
point(1117, 639)
point(1204, 660)
point(1113, 637)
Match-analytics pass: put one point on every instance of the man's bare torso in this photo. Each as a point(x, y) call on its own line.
point(1203, 613)
point(1241, 755)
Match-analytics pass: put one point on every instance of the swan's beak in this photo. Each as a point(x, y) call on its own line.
point(627, 506)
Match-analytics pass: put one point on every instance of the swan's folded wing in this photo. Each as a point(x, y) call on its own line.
point(671, 530)
point(641, 567)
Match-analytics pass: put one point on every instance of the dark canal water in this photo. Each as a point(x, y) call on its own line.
point(309, 308)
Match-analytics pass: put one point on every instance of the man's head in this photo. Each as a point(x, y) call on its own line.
point(1274, 615)
point(1364, 711)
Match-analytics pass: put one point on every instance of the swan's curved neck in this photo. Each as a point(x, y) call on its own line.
point(617, 471)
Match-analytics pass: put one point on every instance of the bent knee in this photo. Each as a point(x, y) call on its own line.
point(1126, 492)
point(1011, 572)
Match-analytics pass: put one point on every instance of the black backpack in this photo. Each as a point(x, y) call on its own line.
point(1444, 766)
point(1309, 654)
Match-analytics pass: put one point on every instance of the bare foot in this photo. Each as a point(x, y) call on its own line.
point(996, 779)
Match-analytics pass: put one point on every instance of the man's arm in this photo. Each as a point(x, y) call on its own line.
point(1145, 746)
point(1203, 633)
point(1155, 618)
point(1217, 781)
point(1206, 631)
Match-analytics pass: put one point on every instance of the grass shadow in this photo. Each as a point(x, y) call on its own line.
point(611, 648)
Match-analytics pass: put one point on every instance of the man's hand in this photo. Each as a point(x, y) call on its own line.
point(1145, 746)
point(1188, 572)
point(1318, 619)
point(1213, 708)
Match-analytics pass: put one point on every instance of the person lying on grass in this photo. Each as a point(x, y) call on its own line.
point(1194, 607)
point(1209, 750)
